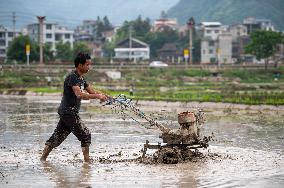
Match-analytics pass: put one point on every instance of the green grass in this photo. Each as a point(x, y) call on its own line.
point(234, 86)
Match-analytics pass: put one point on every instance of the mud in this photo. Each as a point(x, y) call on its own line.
point(247, 150)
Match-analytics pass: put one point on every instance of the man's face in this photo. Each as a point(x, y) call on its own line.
point(86, 67)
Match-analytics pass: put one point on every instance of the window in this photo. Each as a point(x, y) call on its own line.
point(48, 26)
point(211, 51)
point(67, 36)
point(204, 51)
point(2, 43)
point(48, 36)
point(211, 43)
point(2, 35)
point(2, 51)
point(58, 37)
point(208, 31)
point(10, 34)
point(216, 31)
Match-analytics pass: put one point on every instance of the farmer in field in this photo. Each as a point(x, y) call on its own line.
point(74, 87)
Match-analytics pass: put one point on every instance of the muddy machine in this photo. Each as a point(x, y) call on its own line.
point(178, 144)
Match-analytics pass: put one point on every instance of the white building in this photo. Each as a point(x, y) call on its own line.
point(132, 49)
point(216, 44)
point(211, 29)
point(52, 33)
point(6, 37)
point(254, 24)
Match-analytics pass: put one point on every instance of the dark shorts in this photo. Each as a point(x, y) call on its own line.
point(66, 125)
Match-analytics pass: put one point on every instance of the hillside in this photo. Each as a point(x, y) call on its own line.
point(229, 11)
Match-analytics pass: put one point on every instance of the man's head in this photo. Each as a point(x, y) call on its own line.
point(82, 62)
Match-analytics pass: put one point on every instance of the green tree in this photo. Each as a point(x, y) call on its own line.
point(80, 47)
point(163, 15)
point(138, 27)
point(17, 49)
point(64, 51)
point(263, 44)
point(108, 49)
point(47, 52)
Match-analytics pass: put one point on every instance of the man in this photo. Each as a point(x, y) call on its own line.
point(74, 85)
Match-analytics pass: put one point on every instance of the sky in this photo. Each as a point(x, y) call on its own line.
point(72, 12)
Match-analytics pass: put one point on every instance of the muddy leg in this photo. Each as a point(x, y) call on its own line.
point(86, 155)
point(45, 153)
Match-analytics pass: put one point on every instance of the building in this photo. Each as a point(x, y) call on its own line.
point(133, 49)
point(170, 53)
point(87, 31)
point(108, 36)
point(52, 33)
point(211, 29)
point(6, 37)
point(224, 48)
point(216, 43)
point(254, 24)
point(237, 31)
point(161, 24)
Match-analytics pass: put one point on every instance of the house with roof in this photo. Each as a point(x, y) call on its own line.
point(132, 49)
point(169, 53)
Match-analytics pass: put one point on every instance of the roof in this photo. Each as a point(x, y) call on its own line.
point(211, 23)
point(135, 43)
point(169, 47)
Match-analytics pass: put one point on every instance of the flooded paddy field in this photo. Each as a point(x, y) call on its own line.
point(247, 151)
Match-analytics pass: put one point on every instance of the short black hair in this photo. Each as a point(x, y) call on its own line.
point(81, 58)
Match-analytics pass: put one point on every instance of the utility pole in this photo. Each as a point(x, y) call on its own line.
point(14, 24)
point(130, 42)
point(40, 21)
point(190, 25)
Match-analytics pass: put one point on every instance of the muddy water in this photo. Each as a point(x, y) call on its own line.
point(247, 151)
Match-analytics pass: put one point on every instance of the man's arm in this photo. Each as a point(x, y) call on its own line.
point(87, 96)
point(91, 90)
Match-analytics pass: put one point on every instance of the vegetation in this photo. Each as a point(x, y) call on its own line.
point(141, 29)
point(17, 50)
point(234, 86)
point(264, 44)
point(229, 11)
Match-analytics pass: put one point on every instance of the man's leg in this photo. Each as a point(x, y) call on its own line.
point(59, 135)
point(47, 149)
point(86, 153)
point(84, 135)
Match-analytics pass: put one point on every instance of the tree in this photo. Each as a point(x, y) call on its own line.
point(80, 47)
point(139, 28)
point(263, 44)
point(64, 51)
point(17, 49)
point(47, 52)
point(163, 15)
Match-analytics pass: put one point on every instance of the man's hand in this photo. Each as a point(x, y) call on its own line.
point(103, 98)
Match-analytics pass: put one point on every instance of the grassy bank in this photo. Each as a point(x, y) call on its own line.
point(234, 86)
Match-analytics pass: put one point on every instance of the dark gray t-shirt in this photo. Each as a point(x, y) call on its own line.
point(70, 103)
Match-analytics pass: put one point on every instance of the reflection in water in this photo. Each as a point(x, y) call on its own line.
point(68, 177)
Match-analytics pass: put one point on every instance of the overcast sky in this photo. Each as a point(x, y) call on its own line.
point(72, 12)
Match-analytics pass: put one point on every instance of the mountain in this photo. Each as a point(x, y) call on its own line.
point(72, 12)
point(229, 11)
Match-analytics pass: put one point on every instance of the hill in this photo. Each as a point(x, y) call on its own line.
point(229, 11)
